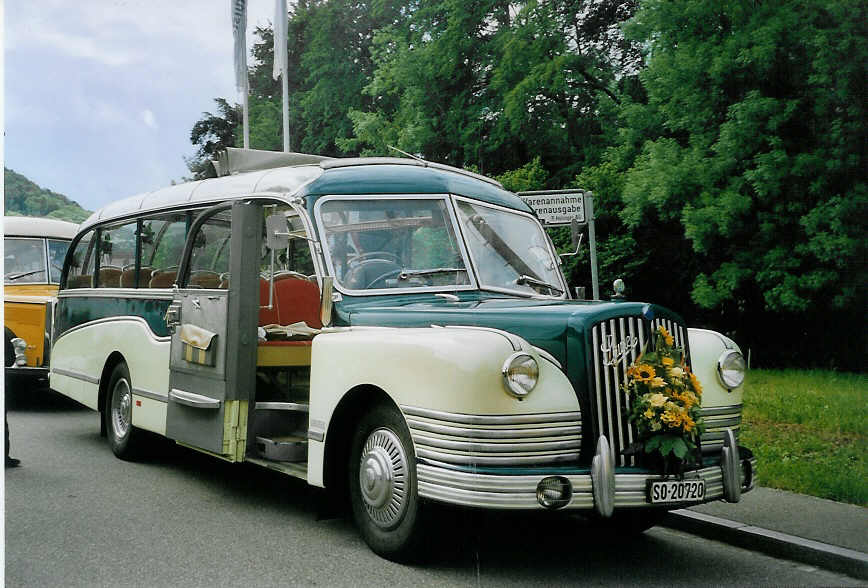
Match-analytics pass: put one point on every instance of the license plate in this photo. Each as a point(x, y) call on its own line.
point(663, 491)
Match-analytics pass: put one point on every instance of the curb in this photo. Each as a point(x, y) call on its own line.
point(830, 557)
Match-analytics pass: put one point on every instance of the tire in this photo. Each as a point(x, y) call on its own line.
point(123, 438)
point(383, 486)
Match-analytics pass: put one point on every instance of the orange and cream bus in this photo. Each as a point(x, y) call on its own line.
point(33, 252)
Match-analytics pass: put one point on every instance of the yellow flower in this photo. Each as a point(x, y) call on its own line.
point(688, 423)
point(649, 414)
point(667, 361)
point(666, 336)
point(697, 387)
point(671, 418)
point(658, 382)
point(644, 373)
point(657, 400)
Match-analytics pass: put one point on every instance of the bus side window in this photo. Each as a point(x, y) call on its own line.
point(117, 250)
point(209, 259)
point(81, 264)
point(162, 241)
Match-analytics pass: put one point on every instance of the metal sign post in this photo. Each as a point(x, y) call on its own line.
point(557, 208)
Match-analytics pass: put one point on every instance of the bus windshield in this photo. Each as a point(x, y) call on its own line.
point(393, 243)
point(24, 261)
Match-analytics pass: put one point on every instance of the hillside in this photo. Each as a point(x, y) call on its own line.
point(24, 198)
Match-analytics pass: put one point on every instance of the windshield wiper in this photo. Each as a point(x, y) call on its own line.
point(407, 274)
point(524, 279)
point(22, 274)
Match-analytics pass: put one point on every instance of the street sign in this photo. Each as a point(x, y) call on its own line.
point(557, 207)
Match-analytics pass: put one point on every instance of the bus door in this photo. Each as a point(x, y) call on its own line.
point(212, 366)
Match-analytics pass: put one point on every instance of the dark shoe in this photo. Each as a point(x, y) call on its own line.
point(11, 462)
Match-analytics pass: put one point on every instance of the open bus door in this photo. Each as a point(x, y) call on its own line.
point(212, 366)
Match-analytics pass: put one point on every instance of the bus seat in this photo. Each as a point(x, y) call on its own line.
point(205, 279)
point(82, 281)
point(163, 278)
point(109, 277)
point(128, 277)
point(295, 300)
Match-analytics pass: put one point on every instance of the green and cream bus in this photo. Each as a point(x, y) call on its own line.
point(393, 330)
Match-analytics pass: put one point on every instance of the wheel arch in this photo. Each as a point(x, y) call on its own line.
point(355, 403)
point(113, 360)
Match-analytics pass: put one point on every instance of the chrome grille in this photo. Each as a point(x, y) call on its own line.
point(507, 440)
point(616, 344)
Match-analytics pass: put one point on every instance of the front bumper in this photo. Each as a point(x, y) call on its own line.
point(519, 492)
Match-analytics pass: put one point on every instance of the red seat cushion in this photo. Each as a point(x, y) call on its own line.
point(295, 300)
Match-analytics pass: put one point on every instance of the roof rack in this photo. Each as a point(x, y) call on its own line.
point(234, 160)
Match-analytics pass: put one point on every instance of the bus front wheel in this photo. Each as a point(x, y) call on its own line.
point(123, 438)
point(383, 489)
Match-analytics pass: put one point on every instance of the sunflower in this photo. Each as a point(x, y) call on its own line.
point(666, 336)
point(644, 373)
point(697, 387)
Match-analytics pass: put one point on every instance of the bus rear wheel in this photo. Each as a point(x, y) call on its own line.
point(123, 438)
point(383, 488)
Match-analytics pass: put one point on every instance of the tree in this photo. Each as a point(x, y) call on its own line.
point(749, 154)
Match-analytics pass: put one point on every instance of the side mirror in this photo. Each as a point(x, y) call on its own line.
point(276, 232)
point(325, 306)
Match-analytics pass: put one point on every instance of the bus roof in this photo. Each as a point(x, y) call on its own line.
point(28, 226)
point(330, 176)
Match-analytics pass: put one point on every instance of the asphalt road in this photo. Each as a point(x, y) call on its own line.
point(78, 516)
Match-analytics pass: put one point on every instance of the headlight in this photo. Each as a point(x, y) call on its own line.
point(520, 374)
point(731, 368)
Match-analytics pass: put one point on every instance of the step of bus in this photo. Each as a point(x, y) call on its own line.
point(283, 448)
point(290, 406)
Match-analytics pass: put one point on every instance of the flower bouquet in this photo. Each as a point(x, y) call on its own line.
point(664, 400)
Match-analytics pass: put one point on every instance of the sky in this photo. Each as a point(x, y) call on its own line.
point(100, 95)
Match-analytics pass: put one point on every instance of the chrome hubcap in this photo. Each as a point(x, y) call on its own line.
point(383, 478)
point(122, 403)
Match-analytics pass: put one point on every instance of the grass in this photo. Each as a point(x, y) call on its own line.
point(809, 432)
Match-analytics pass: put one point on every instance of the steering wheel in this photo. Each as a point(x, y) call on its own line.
point(385, 255)
point(383, 277)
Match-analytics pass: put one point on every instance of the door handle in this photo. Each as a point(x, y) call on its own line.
point(173, 316)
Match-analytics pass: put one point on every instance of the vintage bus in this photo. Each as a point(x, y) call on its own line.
point(393, 330)
point(33, 253)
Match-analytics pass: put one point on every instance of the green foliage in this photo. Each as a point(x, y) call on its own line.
point(24, 198)
point(724, 142)
point(807, 429)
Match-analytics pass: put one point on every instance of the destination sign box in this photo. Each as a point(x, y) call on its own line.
point(557, 207)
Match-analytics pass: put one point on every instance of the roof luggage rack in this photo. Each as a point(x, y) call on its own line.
point(234, 160)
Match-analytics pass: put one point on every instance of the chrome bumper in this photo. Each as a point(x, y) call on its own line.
point(519, 492)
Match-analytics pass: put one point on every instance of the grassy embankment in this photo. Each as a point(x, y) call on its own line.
point(809, 431)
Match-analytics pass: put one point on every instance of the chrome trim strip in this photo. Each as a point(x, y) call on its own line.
point(315, 435)
point(193, 400)
point(731, 422)
point(507, 460)
point(151, 395)
point(720, 410)
point(473, 419)
point(519, 492)
point(527, 433)
point(75, 375)
point(521, 447)
point(146, 293)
